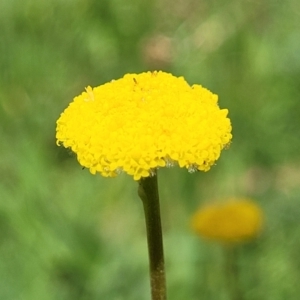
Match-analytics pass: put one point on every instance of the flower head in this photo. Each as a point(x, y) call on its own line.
point(233, 221)
point(144, 121)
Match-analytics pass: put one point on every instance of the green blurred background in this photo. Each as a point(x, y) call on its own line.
point(66, 234)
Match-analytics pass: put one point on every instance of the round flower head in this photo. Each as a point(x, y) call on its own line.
point(229, 222)
point(144, 121)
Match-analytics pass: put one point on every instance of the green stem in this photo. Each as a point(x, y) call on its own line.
point(148, 192)
point(232, 273)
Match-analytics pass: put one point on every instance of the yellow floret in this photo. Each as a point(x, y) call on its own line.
point(144, 121)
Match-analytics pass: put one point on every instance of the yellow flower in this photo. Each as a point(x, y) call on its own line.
point(144, 121)
point(229, 222)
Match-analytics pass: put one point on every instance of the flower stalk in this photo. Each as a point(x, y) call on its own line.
point(148, 192)
point(232, 273)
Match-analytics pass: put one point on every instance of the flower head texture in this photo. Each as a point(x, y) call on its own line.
point(233, 221)
point(142, 122)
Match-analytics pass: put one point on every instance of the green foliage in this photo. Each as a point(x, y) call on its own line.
point(65, 234)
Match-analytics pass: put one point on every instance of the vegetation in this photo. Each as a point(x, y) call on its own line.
point(66, 234)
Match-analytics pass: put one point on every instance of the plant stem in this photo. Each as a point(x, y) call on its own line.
point(148, 192)
point(232, 273)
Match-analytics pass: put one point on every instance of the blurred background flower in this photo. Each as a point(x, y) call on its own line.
point(230, 221)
